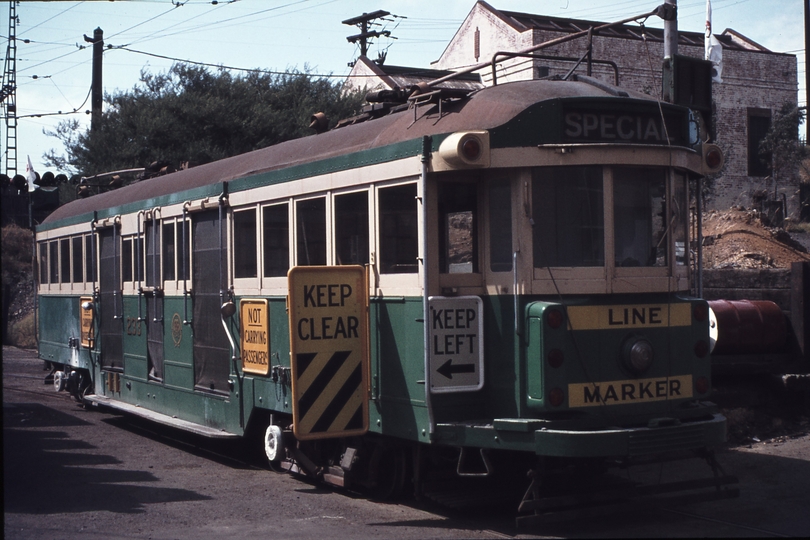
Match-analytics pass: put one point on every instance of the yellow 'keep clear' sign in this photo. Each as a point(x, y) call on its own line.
point(328, 311)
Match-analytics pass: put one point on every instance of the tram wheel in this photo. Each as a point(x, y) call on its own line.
point(390, 471)
point(273, 444)
point(80, 386)
point(59, 381)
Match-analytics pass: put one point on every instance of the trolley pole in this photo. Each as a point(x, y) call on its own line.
point(96, 99)
point(671, 31)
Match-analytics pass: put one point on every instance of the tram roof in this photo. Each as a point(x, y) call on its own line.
point(484, 109)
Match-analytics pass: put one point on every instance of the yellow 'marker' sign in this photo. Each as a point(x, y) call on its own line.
point(328, 310)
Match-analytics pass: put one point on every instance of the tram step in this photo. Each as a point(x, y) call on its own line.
point(166, 420)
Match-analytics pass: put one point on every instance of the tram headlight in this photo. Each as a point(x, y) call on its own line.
point(466, 149)
point(702, 385)
point(637, 355)
point(713, 158)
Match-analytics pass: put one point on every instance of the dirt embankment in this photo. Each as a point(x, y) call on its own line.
point(739, 238)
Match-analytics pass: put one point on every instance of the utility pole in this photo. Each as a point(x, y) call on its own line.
point(363, 22)
point(8, 92)
point(96, 99)
point(806, 60)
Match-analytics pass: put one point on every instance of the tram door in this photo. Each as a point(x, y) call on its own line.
point(154, 302)
point(208, 278)
point(111, 299)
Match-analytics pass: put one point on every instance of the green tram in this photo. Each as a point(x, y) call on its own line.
point(480, 281)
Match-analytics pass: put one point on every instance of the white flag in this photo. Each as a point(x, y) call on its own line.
point(714, 49)
point(31, 176)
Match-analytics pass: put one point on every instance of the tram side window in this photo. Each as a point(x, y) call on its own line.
point(399, 247)
point(53, 259)
point(168, 252)
point(244, 244)
point(126, 260)
point(78, 259)
point(500, 226)
point(184, 257)
point(276, 253)
point(43, 263)
point(64, 260)
point(639, 217)
point(458, 243)
point(568, 215)
point(311, 225)
point(152, 256)
point(351, 228)
point(89, 258)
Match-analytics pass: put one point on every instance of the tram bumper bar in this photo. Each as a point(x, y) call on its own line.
point(529, 435)
point(633, 442)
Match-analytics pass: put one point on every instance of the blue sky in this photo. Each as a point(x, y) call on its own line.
point(53, 72)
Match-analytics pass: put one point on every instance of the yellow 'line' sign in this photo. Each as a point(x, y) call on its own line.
point(629, 316)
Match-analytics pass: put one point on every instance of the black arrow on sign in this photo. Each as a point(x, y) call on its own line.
point(447, 369)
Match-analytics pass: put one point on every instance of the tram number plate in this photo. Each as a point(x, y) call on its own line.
point(629, 391)
point(456, 329)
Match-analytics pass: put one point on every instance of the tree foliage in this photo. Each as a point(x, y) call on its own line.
point(781, 144)
point(17, 252)
point(193, 114)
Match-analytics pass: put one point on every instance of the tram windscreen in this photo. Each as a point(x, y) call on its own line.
point(639, 211)
point(568, 217)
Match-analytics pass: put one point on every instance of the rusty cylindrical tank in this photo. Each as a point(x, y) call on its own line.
point(748, 327)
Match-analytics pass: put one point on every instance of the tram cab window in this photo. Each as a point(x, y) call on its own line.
point(43, 263)
point(89, 259)
point(500, 226)
point(640, 222)
point(351, 228)
point(568, 217)
point(78, 259)
point(458, 241)
point(311, 228)
point(678, 220)
point(244, 244)
point(399, 243)
point(276, 253)
point(53, 259)
point(64, 266)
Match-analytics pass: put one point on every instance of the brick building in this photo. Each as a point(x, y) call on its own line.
point(756, 82)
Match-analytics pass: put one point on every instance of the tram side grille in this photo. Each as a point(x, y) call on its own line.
point(662, 440)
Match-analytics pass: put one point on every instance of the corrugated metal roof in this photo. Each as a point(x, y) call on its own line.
point(570, 26)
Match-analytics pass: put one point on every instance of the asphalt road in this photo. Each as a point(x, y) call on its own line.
point(76, 473)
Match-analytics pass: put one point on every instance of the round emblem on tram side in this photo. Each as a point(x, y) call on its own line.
point(177, 329)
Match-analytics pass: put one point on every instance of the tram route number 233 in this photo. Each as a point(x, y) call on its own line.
point(133, 326)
